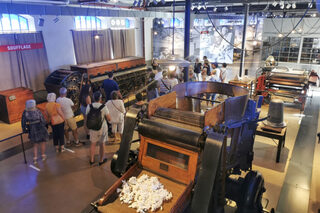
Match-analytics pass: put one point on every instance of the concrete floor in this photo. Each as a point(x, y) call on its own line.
point(66, 182)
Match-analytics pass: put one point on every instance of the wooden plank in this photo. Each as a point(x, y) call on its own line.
point(177, 190)
point(165, 101)
point(214, 116)
point(174, 168)
point(117, 184)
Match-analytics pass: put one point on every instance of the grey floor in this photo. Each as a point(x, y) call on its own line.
point(65, 182)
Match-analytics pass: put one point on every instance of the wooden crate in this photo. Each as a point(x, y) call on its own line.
point(13, 102)
point(175, 167)
point(181, 194)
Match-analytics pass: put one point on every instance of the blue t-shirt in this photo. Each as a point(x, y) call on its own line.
point(109, 86)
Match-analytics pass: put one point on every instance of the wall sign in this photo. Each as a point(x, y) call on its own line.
point(20, 47)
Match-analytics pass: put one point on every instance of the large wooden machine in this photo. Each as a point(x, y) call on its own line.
point(129, 73)
point(198, 157)
point(290, 84)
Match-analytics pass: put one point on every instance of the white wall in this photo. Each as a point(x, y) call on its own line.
point(148, 23)
point(58, 41)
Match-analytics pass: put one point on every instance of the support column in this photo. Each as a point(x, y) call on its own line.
point(244, 38)
point(187, 36)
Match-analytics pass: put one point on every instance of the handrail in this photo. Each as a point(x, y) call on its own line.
point(21, 141)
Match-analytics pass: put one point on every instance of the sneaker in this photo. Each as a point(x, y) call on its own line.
point(102, 162)
point(91, 163)
point(63, 149)
point(44, 157)
point(35, 160)
point(77, 144)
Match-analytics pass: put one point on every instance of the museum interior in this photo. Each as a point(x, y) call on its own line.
point(202, 106)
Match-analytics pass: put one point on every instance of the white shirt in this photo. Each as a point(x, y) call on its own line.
point(216, 77)
point(173, 82)
point(116, 110)
point(158, 76)
point(104, 112)
point(223, 74)
point(66, 104)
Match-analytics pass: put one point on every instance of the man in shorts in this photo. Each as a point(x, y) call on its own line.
point(70, 122)
point(98, 136)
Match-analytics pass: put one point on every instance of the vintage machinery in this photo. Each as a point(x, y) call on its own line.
point(130, 74)
point(13, 103)
point(290, 84)
point(193, 154)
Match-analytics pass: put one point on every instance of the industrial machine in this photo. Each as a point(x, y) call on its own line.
point(130, 73)
point(290, 84)
point(199, 157)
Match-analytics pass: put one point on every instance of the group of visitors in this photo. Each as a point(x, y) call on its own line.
point(103, 119)
point(98, 118)
point(210, 72)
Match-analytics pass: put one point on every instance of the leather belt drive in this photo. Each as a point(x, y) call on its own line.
point(207, 173)
point(129, 125)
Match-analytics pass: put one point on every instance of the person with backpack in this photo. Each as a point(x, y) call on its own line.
point(34, 123)
point(117, 112)
point(85, 100)
point(97, 114)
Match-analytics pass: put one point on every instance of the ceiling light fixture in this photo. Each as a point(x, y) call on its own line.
point(226, 8)
point(280, 35)
point(281, 5)
point(314, 15)
point(193, 7)
point(293, 31)
point(215, 9)
point(274, 3)
point(288, 6)
point(294, 6)
point(310, 5)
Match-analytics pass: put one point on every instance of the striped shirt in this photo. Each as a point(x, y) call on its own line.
point(165, 85)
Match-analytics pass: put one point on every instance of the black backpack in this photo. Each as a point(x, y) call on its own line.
point(94, 118)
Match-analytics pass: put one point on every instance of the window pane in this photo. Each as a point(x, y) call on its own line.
point(83, 22)
point(127, 23)
point(88, 22)
point(77, 22)
point(23, 23)
point(14, 22)
point(6, 22)
point(99, 23)
point(93, 22)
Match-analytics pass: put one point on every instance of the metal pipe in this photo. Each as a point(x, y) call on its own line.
point(187, 29)
point(244, 37)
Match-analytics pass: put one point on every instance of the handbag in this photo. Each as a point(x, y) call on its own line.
point(56, 118)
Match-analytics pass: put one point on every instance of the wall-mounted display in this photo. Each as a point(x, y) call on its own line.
point(162, 38)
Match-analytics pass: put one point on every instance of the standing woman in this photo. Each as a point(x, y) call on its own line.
point(34, 124)
point(56, 118)
point(85, 100)
point(116, 111)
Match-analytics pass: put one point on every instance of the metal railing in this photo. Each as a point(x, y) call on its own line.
point(21, 141)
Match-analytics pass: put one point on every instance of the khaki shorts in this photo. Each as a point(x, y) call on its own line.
point(70, 123)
